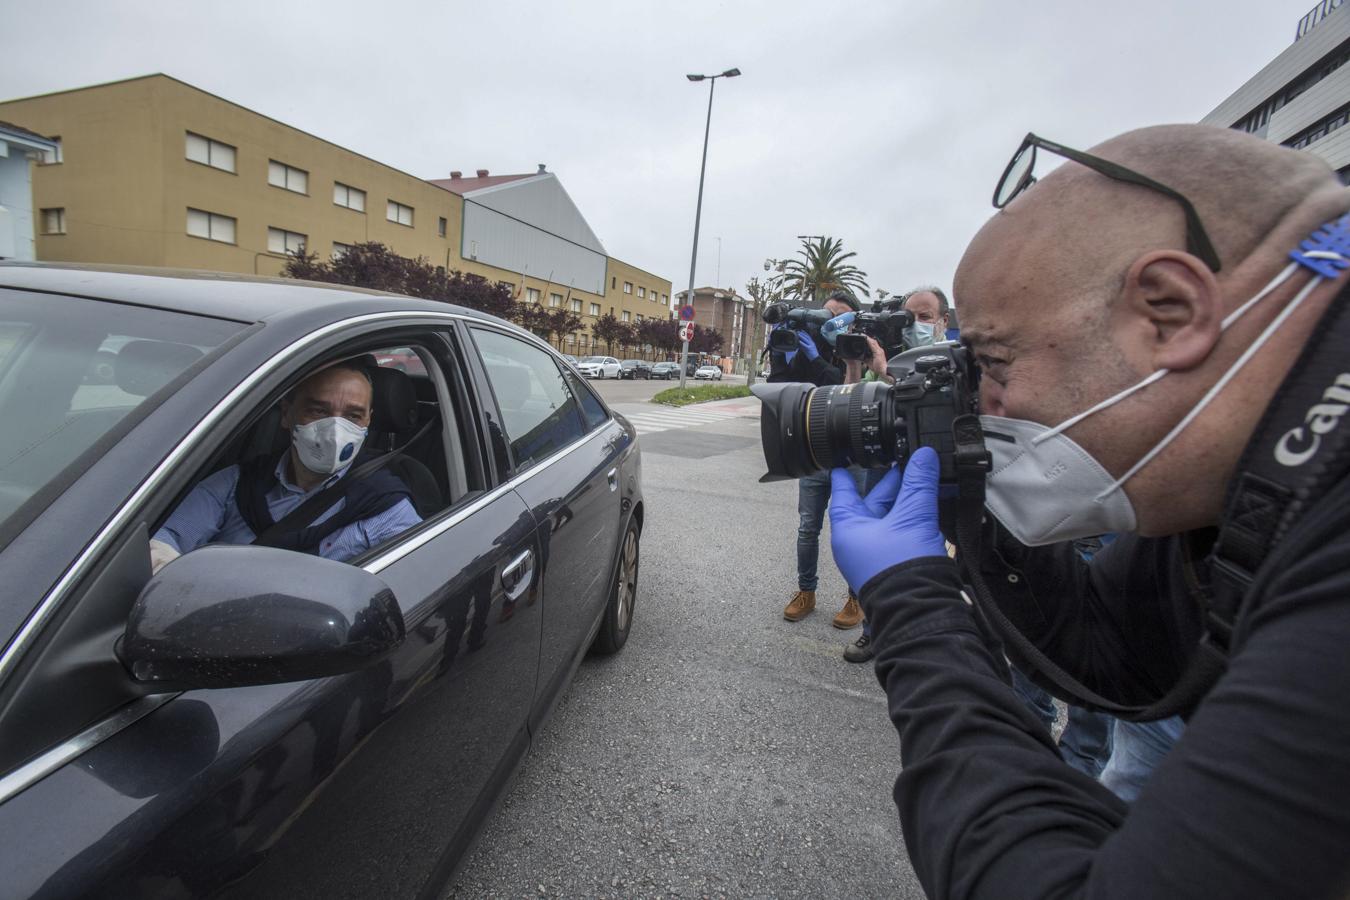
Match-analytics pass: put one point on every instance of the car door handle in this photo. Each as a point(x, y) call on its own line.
point(518, 575)
point(613, 477)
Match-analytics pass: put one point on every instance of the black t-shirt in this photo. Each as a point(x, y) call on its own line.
point(1254, 801)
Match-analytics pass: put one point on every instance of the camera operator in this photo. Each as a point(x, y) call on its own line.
point(1153, 365)
point(814, 362)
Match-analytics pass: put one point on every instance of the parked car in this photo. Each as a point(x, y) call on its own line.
point(252, 721)
point(599, 367)
point(635, 368)
point(403, 359)
point(666, 370)
point(711, 373)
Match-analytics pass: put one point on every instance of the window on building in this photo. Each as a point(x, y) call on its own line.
point(280, 240)
point(210, 153)
point(555, 300)
point(613, 282)
point(531, 294)
point(665, 298)
point(627, 316)
point(440, 226)
point(642, 293)
point(348, 196)
point(628, 287)
point(209, 225)
point(639, 317)
point(595, 309)
point(397, 212)
point(340, 250)
point(287, 177)
point(576, 306)
point(54, 220)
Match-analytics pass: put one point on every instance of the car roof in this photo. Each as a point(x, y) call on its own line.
point(221, 295)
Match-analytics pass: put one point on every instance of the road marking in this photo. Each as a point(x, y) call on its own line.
point(657, 420)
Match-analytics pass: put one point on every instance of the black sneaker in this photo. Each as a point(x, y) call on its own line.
point(860, 651)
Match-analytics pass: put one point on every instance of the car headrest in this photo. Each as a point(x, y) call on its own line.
point(393, 401)
point(144, 367)
point(512, 384)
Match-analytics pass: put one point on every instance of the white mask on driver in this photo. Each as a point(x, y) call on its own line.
point(326, 445)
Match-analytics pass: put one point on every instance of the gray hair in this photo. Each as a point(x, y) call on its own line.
point(944, 305)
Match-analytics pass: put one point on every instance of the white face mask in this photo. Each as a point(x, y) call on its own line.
point(1044, 488)
point(326, 445)
point(920, 334)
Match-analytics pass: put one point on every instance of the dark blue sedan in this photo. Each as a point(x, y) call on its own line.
point(279, 708)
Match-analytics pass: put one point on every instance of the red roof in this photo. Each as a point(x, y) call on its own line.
point(464, 186)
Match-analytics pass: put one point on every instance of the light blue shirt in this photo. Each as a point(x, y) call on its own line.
point(209, 515)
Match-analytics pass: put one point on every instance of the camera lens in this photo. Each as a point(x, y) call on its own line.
point(805, 429)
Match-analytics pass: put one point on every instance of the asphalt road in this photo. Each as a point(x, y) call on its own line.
point(725, 752)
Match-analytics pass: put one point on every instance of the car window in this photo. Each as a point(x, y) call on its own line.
point(72, 369)
point(539, 414)
point(591, 407)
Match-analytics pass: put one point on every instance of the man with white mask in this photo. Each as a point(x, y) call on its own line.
point(327, 416)
point(1161, 324)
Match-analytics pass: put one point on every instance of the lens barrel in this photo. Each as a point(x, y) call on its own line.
point(805, 428)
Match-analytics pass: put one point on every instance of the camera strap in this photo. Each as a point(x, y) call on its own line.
point(1288, 475)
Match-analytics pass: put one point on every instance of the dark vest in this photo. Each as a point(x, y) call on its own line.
point(368, 496)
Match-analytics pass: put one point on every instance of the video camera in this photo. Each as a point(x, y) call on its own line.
point(885, 322)
point(933, 403)
point(793, 319)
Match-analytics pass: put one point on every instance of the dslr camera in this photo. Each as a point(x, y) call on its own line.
point(793, 319)
point(933, 403)
point(885, 322)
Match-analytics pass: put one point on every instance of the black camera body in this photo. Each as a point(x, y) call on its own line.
point(793, 319)
point(885, 322)
point(933, 403)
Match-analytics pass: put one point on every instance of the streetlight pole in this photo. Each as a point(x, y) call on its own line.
point(698, 208)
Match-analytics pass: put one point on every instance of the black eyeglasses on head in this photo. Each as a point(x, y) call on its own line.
point(1020, 175)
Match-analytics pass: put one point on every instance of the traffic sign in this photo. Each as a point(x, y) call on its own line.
point(687, 330)
point(686, 314)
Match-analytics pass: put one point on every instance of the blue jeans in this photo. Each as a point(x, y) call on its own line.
point(1139, 747)
point(813, 496)
point(1087, 740)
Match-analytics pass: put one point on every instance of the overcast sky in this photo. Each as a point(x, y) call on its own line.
point(885, 124)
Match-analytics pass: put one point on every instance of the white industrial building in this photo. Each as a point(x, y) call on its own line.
point(1301, 99)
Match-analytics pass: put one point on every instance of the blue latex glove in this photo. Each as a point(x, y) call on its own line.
point(870, 536)
point(807, 345)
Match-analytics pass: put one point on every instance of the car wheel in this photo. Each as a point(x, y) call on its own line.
point(613, 632)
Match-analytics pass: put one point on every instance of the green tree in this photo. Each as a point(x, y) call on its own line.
point(373, 265)
point(609, 329)
point(561, 323)
point(823, 267)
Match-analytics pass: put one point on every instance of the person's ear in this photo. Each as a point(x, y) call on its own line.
point(1176, 301)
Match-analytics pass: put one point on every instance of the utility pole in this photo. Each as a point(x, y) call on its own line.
point(698, 208)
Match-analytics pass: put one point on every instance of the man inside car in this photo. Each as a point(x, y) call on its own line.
point(302, 501)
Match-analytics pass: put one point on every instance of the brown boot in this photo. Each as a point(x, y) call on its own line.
point(850, 615)
point(801, 603)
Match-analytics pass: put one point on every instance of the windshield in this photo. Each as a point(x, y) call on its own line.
point(594, 359)
point(71, 369)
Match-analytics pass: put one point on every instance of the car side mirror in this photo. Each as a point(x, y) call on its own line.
point(233, 616)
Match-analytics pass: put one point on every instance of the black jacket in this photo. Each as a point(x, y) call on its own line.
point(819, 371)
point(1254, 801)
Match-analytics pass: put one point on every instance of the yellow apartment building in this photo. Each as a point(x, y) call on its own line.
point(156, 172)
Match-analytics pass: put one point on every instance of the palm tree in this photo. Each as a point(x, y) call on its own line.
point(822, 268)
